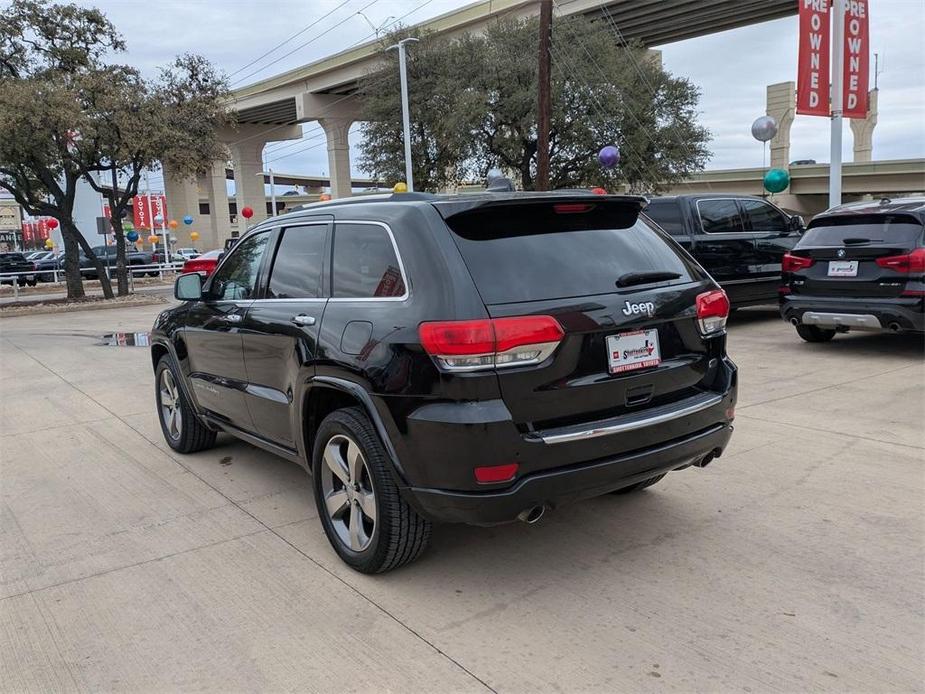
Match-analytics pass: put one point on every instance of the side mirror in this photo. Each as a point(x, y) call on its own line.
point(797, 224)
point(188, 287)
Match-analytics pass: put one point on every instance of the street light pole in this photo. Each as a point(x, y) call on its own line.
point(838, 72)
point(406, 118)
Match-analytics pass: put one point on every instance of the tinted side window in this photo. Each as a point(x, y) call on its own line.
point(298, 265)
point(763, 217)
point(719, 216)
point(365, 264)
point(236, 279)
point(667, 214)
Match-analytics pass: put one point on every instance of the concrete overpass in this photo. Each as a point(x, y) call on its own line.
point(808, 193)
point(273, 109)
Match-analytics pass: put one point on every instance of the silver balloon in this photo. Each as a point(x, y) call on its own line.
point(764, 128)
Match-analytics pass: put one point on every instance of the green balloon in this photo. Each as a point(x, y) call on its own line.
point(776, 180)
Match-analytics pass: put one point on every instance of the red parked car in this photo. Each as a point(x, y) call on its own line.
point(204, 264)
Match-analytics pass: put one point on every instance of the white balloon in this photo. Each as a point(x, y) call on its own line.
point(764, 128)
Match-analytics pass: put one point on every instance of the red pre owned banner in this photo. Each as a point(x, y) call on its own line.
point(857, 59)
point(813, 63)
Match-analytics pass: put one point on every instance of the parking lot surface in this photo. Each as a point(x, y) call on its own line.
point(794, 562)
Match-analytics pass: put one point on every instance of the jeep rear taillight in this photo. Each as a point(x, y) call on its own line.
point(487, 343)
point(792, 263)
point(712, 311)
point(913, 262)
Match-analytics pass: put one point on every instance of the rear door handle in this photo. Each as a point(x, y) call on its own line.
point(302, 319)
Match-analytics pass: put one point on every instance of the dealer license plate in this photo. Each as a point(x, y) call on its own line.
point(843, 268)
point(633, 350)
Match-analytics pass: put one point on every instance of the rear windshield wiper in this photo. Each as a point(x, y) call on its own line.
point(631, 278)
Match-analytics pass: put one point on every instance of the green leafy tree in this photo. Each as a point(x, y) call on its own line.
point(478, 94)
point(67, 116)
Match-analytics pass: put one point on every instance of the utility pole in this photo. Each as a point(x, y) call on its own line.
point(543, 105)
point(838, 72)
point(406, 118)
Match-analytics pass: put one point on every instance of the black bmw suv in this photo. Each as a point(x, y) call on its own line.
point(474, 359)
point(859, 266)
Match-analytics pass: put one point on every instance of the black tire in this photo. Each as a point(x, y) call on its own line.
point(193, 435)
point(399, 535)
point(639, 485)
point(811, 333)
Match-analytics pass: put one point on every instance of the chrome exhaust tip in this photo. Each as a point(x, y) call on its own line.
point(531, 515)
point(794, 321)
point(706, 460)
point(895, 327)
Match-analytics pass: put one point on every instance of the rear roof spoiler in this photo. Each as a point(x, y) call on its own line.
point(449, 208)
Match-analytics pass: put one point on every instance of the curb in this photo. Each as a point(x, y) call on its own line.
point(77, 306)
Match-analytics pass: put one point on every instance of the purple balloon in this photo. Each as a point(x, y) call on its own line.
point(609, 156)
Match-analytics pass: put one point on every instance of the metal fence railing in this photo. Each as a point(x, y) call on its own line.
point(33, 277)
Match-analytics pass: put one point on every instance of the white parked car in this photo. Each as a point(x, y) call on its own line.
point(186, 253)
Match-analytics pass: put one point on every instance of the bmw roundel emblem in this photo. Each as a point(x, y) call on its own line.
point(840, 252)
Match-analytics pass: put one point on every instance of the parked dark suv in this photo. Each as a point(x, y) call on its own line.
point(472, 359)
point(859, 266)
point(739, 239)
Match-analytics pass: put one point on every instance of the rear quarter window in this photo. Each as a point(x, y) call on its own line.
point(667, 214)
point(531, 253)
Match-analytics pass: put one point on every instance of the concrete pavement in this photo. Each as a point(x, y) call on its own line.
point(794, 562)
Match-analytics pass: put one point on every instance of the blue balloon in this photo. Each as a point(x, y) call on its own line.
point(609, 156)
point(132, 236)
point(188, 220)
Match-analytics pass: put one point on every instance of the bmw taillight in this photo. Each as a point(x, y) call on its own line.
point(792, 263)
point(487, 343)
point(913, 262)
point(712, 311)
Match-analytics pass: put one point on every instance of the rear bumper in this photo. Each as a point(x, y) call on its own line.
point(559, 486)
point(845, 313)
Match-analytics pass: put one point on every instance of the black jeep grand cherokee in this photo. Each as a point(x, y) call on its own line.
point(471, 359)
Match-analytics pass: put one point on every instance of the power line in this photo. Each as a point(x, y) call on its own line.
point(302, 45)
point(283, 43)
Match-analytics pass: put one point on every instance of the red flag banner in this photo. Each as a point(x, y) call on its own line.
point(140, 210)
point(813, 63)
point(857, 59)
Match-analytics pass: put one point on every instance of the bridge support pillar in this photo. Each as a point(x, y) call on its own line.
point(219, 220)
point(247, 159)
point(781, 102)
point(335, 130)
point(182, 199)
point(863, 131)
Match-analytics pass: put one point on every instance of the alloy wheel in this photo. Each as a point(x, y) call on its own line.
point(347, 489)
point(171, 416)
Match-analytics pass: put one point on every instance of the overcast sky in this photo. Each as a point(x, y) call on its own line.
point(731, 68)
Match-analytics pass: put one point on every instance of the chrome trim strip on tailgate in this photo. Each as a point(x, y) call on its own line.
point(630, 422)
